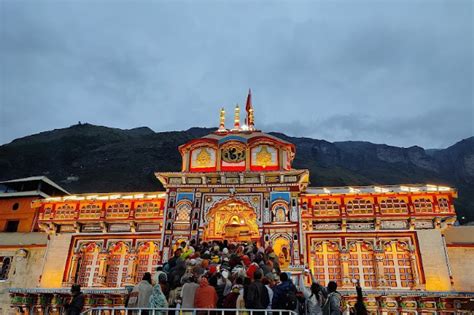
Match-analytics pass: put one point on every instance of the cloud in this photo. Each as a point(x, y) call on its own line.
point(389, 72)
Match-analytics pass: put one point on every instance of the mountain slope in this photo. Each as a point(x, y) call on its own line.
point(88, 158)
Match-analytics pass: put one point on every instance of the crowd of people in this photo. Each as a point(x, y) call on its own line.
point(233, 276)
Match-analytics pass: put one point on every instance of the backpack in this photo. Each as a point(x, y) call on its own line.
point(327, 304)
point(291, 301)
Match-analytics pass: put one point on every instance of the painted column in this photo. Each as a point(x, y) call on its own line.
point(103, 255)
point(414, 267)
point(71, 279)
point(132, 268)
point(379, 256)
point(346, 280)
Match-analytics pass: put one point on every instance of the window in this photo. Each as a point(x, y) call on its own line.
point(65, 212)
point(118, 211)
point(361, 263)
point(89, 266)
point(117, 265)
point(326, 208)
point(12, 226)
point(360, 206)
point(443, 204)
point(393, 205)
point(5, 264)
point(147, 210)
point(423, 205)
point(15, 206)
point(90, 211)
point(148, 258)
point(397, 265)
point(327, 262)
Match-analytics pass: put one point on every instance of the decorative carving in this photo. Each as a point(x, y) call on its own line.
point(326, 226)
point(393, 225)
point(233, 153)
point(360, 226)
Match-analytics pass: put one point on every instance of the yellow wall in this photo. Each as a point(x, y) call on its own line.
point(434, 260)
point(460, 242)
point(55, 263)
point(25, 214)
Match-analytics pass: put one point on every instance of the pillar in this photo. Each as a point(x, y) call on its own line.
point(414, 268)
point(379, 271)
point(132, 268)
point(71, 279)
point(103, 255)
point(346, 280)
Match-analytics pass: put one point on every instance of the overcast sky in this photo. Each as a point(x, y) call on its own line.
point(395, 72)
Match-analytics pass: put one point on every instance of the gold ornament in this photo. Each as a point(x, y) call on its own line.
point(264, 158)
point(203, 158)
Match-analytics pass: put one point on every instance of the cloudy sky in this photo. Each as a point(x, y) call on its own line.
point(396, 72)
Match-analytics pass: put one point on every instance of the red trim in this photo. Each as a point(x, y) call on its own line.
point(468, 245)
point(22, 246)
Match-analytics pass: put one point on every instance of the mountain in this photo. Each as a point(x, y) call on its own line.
point(89, 158)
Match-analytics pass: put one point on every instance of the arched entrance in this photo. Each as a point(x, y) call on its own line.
point(232, 220)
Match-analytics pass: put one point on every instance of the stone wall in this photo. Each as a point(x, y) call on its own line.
point(460, 242)
point(27, 260)
point(434, 260)
point(55, 262)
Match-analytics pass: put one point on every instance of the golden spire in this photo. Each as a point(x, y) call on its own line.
point(237, 117)
point(222, 120)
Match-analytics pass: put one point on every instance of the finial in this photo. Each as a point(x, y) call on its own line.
point(222, 120)
point(237, 118)
point(249, 120)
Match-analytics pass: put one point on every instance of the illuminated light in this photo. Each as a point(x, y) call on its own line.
point(380, 189)
point(404, 188)
point(414, 189)
point(103, 198)
point(245, 127)
point(444, 188)
point(326, 191)
point(91, 197)
point(431, 187)
point(150, 196)
point(53, 199)
point(139, 196)
point(354, 190)
point(127, 197)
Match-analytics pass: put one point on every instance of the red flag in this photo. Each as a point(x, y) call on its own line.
point(248, 106)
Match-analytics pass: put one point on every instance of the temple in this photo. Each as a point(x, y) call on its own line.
point(238, 184)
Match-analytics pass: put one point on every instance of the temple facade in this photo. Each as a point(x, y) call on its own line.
point(238, 184)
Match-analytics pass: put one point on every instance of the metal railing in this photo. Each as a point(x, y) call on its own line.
point(182, 311)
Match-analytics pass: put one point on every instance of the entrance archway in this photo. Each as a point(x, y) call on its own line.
point(232, 220)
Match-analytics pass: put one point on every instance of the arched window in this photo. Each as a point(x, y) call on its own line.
point(65, 212)
point(443, 205)
point(393, 205)
point(326, 208)
point(360, 206)
point(423, 205)
point(117, 265)
point(88, 265)
point(280, 213)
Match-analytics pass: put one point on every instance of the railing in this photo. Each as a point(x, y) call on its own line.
point(182, 311)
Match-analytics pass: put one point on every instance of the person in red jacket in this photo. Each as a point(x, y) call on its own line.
point(206, 295)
